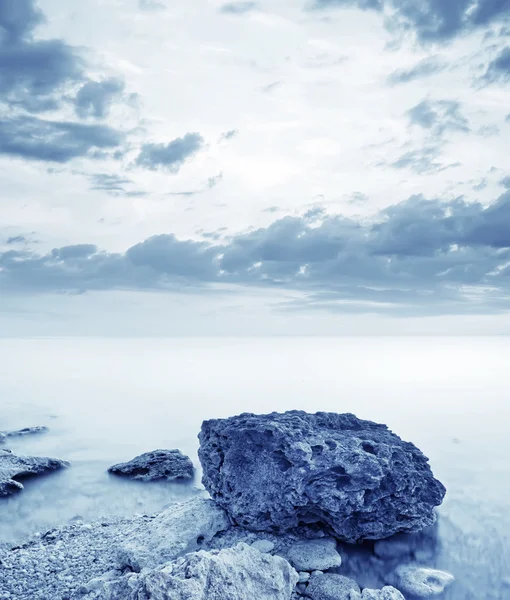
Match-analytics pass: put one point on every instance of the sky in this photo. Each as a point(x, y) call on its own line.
point(283, 167)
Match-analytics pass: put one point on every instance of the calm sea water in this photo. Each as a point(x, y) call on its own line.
point(107, 400)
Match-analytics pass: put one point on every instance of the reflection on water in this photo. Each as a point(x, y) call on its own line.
point(106, 401)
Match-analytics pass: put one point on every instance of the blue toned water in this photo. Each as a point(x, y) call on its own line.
point(106, 400)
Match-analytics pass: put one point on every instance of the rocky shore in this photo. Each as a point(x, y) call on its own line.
point(320, 507)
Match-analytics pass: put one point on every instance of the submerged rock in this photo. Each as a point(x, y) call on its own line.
point(21, 432)
point(239, 573)
point(420, 581)
point(158, 464)
point(13, 468)
point(278, 471)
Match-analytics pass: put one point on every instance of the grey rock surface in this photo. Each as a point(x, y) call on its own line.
point(386, 593)
point(274, 472)
point(238, 573)
point(310, 555)
point(330, 586)
point(158, 464)
point(22, 432)
point(14, 468)
point(421, 582)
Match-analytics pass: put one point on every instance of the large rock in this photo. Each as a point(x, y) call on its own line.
point(278, 471)
point(158, 464)
point(239, 573)
point(14, 468)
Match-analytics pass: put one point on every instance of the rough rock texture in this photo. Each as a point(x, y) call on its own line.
point(158, 464)
point(13, 468)
point(21, 432)
point(387, 593)
point(330, 586)
point(274, 472)
point(314, 555)
point(421, 581)
point(62, 562)
point(239, 573)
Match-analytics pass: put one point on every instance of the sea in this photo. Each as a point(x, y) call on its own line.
point(106, 400)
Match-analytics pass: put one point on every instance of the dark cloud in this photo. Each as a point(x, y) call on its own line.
point(424, 68)
point(16, 239)
point(114, 185)
point(54, 141)
point(169, 156)
point(431, 20)
point(34, 74)
point(499, 68)
point(95, 98)
point(17, 19)
point(422, 160)
point(439, 116)
point(420, 255)
point(238, 8)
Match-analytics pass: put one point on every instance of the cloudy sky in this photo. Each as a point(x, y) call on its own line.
point(175, 167)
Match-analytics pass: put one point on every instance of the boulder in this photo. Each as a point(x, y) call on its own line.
point(158, 464)
point(278, 471)
point(13, 468)
point(420, 581)
point(314, 555)
point(330, 586)
point(238, 573)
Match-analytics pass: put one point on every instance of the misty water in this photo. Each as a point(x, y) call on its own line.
point(107, 400)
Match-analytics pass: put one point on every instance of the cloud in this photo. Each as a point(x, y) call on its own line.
point(214, 181)
point(425, 68)
point(169, 156)
point(33, 72)
point(16, 239)
point(113, 185)
point(431, 20)
point(439, 116)
point(421, 255)
point(422, 160)
point(238, 8)
point(499, 68)
point(95, 98)
point(151, 5)
point(505, 182)
point(232, 133)
point(32, 138)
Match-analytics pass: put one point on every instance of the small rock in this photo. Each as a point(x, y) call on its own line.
point(159, 464)
point(264, 546)
point(22, 432)
point(303, 576)
point(330, 586)
point(13, 467)
point(387, 593)
point(421, 581)
point(314, 555)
